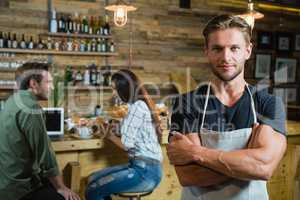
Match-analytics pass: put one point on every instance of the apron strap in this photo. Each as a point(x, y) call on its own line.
point(205, 105)
point(252, 104)
point(206, 102)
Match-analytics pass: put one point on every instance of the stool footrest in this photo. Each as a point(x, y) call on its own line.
point(133, 194)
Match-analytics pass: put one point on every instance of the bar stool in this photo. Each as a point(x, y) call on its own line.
point(133, 195)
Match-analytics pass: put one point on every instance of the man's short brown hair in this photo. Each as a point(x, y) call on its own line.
point(30, 71)
point(226, 21)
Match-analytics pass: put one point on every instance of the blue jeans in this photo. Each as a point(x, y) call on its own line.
point(140, 175)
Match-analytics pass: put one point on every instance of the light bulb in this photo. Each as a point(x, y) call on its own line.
point(249, 19)
point(120, 16)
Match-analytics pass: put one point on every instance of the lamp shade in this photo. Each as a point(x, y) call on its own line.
point(120, 9)
point(251, 15)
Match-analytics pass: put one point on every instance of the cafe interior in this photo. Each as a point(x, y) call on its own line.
point(87, 41)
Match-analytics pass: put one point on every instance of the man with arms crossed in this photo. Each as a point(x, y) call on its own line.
point(228, 138)
point(26, 155)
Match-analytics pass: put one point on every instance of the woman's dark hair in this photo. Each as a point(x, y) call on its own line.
point(130, 89)
point(30, 71)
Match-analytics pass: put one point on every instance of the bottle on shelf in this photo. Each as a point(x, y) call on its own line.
point(23, 42)
point(1, 40)
point(68, 75)
point(88, 45)
point(92, 25)
point(103, 45)
point(76, 23)
point(53, 22)
point(15, 41)
point(106, 27)
point(100, 78)
point(69, 45)
point(49, 43)
point(93, 74)
point(56, 45)
point(30, 43)
point(100, 26)
point(82, 46)
point(86, 77)
point(63, 44)
point(107, 75)
point(9, 41)
point(99, 45)
point(94, 45)
point(112, 46)
point(78, 78)
point(61, 24)
point(40, 44)
point(85, 25)
point(76, 45)
point(69, 25)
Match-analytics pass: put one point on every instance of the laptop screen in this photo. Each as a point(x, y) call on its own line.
point(54, 121)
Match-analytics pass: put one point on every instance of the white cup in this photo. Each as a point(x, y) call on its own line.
point(84, 132)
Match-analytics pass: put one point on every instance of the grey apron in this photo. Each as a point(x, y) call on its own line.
point(227, 141)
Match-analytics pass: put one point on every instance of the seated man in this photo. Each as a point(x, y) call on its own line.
point(26, 156)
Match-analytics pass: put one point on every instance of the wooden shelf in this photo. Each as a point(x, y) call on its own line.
point(86, 88)
point(6, 69)
point(293, 107)
point(8, 87)
point(53, 52)
point(286, 85)
point(74, 35)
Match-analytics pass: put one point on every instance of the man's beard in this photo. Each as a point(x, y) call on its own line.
point(42, 97)
point(223, 77)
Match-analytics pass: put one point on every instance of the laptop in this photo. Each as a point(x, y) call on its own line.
point(54, 122)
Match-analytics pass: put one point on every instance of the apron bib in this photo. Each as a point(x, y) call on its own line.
point(227, 141)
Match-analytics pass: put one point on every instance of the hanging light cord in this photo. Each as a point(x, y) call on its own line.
point(130, 41)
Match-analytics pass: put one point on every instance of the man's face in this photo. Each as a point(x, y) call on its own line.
point(43, 89)
point(227, 52)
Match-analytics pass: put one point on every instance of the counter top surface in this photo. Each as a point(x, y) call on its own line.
point(75, 143)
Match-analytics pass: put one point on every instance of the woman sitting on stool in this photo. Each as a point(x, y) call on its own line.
point(139, 132)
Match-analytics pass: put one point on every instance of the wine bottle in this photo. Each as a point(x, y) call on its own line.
point(78, 78)
point(100, 78)
point(85, 25)
point(15, 41)
point(53, 22)
point(56, 45)
point(112, 46)
point(93, 74)
point(86, 77)
point(106, 26)
point(49, 43)
point(88, 46)
point(62, 24)
point(23, 42)
point(94, 45)
point(82, 45)
point(40, 45)
point(103, 45)
point(69, 45)
point(92, 25)
point(30, 43)
point(99, 45)
point(1, 40)
point(9, 41)
point(75, 24)
point(69, 25)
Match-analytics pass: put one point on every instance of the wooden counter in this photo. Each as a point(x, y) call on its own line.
point(78, 158)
